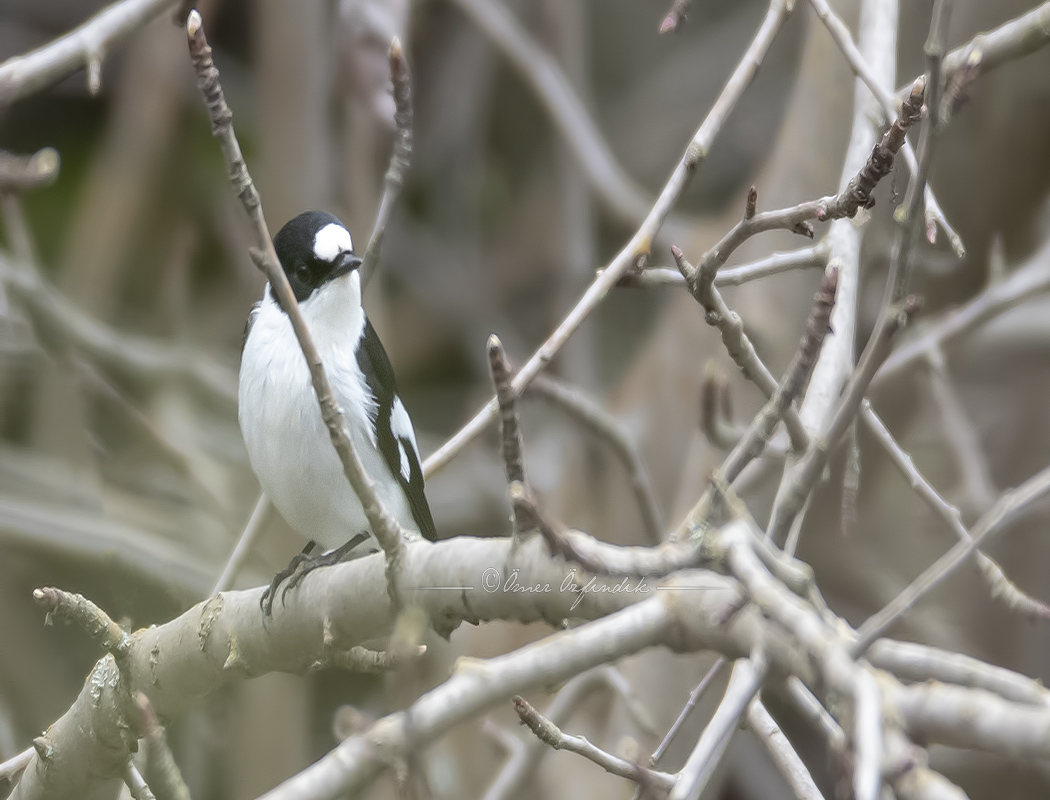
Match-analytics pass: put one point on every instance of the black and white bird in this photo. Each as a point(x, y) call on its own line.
point(287, 441)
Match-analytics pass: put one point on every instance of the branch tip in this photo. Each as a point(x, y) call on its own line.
point(193, 23)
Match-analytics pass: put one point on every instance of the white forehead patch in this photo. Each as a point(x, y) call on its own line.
point(332, 240)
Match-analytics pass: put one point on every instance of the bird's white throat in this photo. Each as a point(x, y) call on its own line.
point(333, 312)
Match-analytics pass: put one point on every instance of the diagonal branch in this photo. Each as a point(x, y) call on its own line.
point(640, 243)
point(602, 423)
point(551, 735)
point(804, 476)
point(1001, 514)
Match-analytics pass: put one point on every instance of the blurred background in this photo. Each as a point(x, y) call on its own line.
point(131, 485)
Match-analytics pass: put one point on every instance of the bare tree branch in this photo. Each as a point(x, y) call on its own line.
point(640, 243)
point(888, 105)
point(85, 46)
point(1001, 587)
point(620, 194)
point(400, 158)
point(1002, 513)
point(897, 282)
point(1011, 40)
point(803, 258)
point(552, 736)
point(244, 544)
point(805, 474)
point(744, 682)
point(787, 762)
point(131, 356)
point(598, 420)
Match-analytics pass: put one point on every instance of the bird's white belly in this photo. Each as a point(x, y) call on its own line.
point(288, 443)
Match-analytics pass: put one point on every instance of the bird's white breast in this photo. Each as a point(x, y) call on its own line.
point(287, 441)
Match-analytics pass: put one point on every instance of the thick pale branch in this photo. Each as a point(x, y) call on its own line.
point(780, 750)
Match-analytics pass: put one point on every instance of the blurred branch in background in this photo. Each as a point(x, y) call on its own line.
point(82, 48)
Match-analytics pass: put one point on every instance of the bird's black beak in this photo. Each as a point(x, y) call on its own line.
point(346, 263)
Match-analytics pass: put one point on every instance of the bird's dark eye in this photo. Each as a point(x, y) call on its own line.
point(302, 271)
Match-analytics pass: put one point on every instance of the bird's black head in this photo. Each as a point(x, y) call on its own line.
point(313, 249)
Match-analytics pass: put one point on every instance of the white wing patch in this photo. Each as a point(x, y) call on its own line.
point(401, 425)
point(406, 467)
point(332, 240)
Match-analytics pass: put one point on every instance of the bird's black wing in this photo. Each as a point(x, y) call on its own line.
point(375, 365)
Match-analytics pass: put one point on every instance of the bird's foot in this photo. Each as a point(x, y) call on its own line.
point(301, 565)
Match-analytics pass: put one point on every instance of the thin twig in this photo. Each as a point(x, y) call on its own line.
point(887, 105)
point(85, 46)
point(738, 344)
point(510, 444)
point(1000, 586)
point(803, 258)
point(96, 623)
point(244, 545)
point(1011, 40)
point(897, 282)
point(593, 416)
point(1004, 511)
point(1027, 282)
point(541, 71)
point(694, 698)
point(744, 683)
point(400, 157)
point(856, 195)
point(551, 735)
point(795, 377)
point(805, 474)
point(641, 241)
point(385, 528)
point(517, 770)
